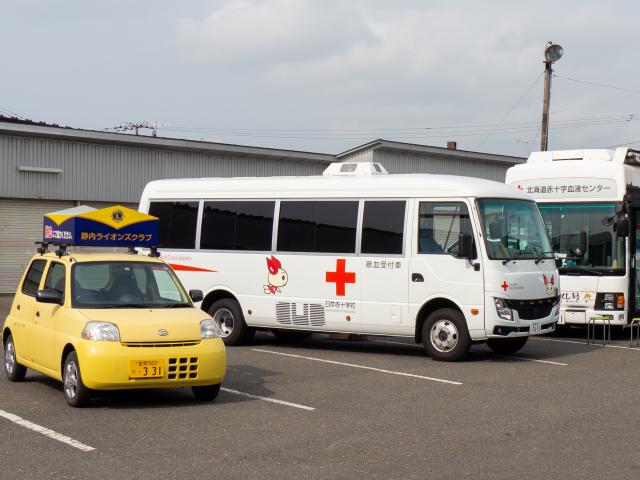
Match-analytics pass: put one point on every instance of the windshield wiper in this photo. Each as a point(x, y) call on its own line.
point(542, 257)
point(516, 255)
point(125, 305)
point(174, 305)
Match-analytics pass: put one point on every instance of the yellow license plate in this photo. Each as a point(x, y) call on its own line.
point(146, 369)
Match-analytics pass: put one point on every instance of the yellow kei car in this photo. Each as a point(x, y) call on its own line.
point(111, 321)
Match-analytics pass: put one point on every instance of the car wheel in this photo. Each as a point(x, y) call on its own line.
point(75, 392)
point(507, 345)
point(228, 315)
point(290, 335)
point(207, 393)
point(445, 335)
point(15, 372)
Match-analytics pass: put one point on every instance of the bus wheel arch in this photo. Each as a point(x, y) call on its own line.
point(226, 310)
point(428, 308)
point(213, 296)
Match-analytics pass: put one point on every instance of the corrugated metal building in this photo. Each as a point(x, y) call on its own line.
point(44, 168)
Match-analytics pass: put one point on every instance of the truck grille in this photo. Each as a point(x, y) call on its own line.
point(533, 309)
point(182, 368)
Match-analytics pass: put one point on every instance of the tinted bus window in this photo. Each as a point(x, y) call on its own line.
point(322, 227)
point(237, 225)
point(383, 227)
point(34, 275)
point(177, 223)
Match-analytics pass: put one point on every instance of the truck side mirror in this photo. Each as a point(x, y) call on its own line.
point(49, 295)
point(196, 295)
point(465, 246)
point(622, 227)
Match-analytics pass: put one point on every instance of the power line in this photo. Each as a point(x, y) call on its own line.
point(597, 84)
point(13, 114)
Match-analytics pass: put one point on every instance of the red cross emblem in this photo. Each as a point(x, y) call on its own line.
point(340, 277)
point(504, 285)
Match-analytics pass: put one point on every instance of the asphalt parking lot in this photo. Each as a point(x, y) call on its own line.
point(377, 408)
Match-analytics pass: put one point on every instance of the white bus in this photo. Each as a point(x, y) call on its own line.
point(589, 199)
point(445, 260)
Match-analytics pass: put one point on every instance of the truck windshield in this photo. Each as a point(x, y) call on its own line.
point(126, 285)
point(513, 229)
point(600, 252)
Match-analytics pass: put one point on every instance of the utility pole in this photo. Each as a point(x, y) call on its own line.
point(552, 53)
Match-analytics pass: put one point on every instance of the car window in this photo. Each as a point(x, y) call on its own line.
point(33, 277)
point(55, 277)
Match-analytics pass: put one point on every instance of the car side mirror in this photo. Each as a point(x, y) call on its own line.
point(196, 295)
point(465, 246)
point(622, 227)
point(49, 295)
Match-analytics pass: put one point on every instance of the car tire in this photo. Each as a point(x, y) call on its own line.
point(290, 335)
point(15, 372)
point(75, 392)
point(206, 393)
point(228, 315)
point(445, 335)
point(507, 345)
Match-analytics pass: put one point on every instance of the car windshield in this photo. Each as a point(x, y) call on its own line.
point(513, 229)
point(583, 238)
point(126, 285)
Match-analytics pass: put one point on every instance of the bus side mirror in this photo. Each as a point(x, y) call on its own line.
point(196, 295)
point(465, 246)
point(49, 295)
point(622, 227)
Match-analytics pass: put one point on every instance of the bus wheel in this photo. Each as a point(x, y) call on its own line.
point(233, 329)
point(290, 335)
point(15, 372)
point(445, 335)
point(507, 345)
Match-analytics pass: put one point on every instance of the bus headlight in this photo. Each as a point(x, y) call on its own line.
point(209, 329)
point(609, 301)
point(502, 307)
point(101, 331)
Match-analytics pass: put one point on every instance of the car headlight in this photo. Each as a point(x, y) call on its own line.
point(502, 307)
point(609, 301)
point(101, 331)
point(209, 329)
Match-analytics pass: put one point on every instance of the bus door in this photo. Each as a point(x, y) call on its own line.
point(435, 271)
point(634, 271)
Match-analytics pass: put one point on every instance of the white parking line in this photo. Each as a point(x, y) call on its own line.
point(585, 343)
point(45, 431)
point(404, 374)
point(267, 399)
point(509, 356)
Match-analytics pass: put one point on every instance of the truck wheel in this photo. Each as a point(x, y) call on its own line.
point(207, 393)
point(507, 345)
point(233, 329)
point(445, 335)
point(75, 392)
point(15, 372)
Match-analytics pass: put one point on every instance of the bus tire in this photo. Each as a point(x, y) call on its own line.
point(228, 315)
point(290, 335)
point(507, 345)
point(445, 335)
point(15, 372)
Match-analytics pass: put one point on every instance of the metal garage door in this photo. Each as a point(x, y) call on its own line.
point(20, 227)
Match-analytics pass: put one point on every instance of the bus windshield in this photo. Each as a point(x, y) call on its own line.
point(513, 229)
point(604, 251)
point(126, 285)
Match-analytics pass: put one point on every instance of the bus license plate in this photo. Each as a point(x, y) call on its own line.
point(146, 369)
point(536, 328)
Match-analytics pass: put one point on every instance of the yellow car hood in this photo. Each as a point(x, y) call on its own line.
point(152, 324)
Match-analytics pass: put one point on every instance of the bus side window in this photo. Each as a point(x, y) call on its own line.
point(235, 225)
point(177, 223)
point(383, 227)
point(440, 224)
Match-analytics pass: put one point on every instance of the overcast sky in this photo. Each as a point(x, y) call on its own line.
point(327, 75)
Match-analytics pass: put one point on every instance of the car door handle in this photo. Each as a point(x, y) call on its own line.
point(18, 307)
point(417, 277)
point(38, 314)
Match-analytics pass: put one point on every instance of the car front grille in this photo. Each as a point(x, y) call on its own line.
point(533, 309)
point(189, 343)
point(182, 368)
